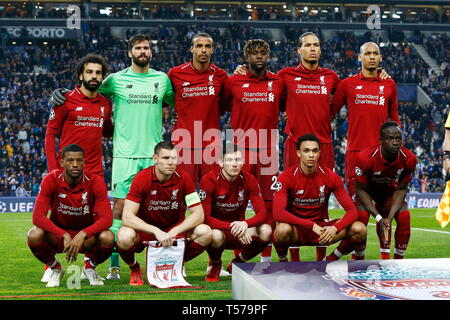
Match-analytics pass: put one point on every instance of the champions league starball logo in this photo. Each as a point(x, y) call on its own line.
point(2, 206)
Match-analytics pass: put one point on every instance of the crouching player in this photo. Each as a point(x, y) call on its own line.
point(225, 192)
point(79, 220)
point(382, 175)
point(300, 205)
point(155, 209)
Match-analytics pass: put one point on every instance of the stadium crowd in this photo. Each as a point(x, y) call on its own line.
point(33, 72)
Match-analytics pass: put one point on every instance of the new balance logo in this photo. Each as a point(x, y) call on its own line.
point(62, 195)
point(298, 79)
point(246, 85)
point(377, 173)
point(129, 86)
point(358, 88)
point(79, 109)
point(300, 192)
point(153, 192)
point(185, 84)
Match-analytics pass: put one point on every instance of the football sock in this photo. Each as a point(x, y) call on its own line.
point(215, 254)
point(402, 233)
point(43, 252)
point(192, 250)
point(321, 252)
point(295, 253)
point(100, 254)
point(127, 255)
point(385, 254)
point(266, 254)
point(253, 249)
point(114, 261)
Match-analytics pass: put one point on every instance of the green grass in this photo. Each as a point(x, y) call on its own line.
point(21, 271)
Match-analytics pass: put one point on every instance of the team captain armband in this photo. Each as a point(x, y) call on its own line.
point(192, 199)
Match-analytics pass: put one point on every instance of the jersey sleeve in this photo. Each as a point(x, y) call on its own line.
point(169, 96)
point(361, 169)
point(227, 96)
point(393, 105)
point(407, 174)
point(42, 205)
point(257, 202)
point(335, 84)
point(190, 194)
point(55, 123)
point(107, 86)
point(283, 95)
point(339, 99)
point(138, 188)
point(108, 125)
point(102, 209)
point(280, 200)
point(351, 214)
point(207, 195)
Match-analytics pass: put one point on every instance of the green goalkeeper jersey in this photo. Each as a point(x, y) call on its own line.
point(137, 109)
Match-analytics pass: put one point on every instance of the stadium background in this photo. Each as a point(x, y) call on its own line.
point(38, 54)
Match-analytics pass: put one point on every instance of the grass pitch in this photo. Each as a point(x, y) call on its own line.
point(21, 271)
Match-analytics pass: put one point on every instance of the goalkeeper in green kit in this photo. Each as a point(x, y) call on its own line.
point(138, 93)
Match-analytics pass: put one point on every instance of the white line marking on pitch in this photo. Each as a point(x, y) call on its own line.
point(419, 229)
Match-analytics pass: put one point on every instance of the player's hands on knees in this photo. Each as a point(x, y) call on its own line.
point(74, 246)
point(238, 228)
point(317, 229)
point(241, 69)
point(383, 74)
point(57, 97)
point(328, 234)
point(246, 238)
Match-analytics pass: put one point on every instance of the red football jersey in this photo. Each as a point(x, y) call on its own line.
point(85, 207)
point(308, 101)
point(80, 120)
point(302, 199)
point(383, 177)
point(162, 204)
point(370, 103)
point(226, 201)
point(255, 105)
point(197, 99)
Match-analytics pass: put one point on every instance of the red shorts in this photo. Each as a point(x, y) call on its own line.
point(291, 159)
point(263, 165)
point(307, 237)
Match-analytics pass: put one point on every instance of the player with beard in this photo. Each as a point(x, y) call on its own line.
point(138, 93)
point(198, 86)
point(83, 118)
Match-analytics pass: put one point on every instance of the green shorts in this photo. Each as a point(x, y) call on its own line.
point(123, 172)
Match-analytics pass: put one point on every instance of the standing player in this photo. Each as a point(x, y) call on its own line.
point(254, 101)
point(225, 192)
point(382, 175)
point(155, 209)
point(83, 118)
point(301, 204)
point(79, 220)
point(370, 102)
point(198, 85)
point(138, 93)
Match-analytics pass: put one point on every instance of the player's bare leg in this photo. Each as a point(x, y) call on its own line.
point(114, 263)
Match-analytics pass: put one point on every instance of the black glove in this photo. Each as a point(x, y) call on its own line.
point(57, 97)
